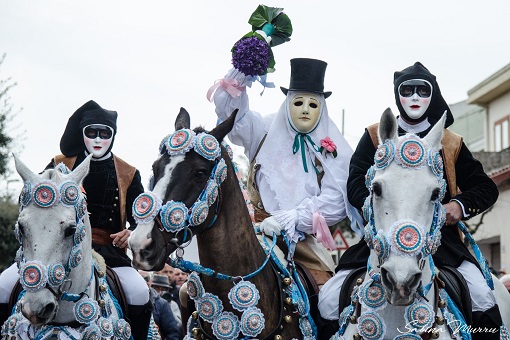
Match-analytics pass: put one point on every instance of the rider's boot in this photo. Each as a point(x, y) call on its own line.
point(488, 322)
point(139, 318)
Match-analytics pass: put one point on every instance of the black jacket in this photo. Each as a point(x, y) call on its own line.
point(164, 318)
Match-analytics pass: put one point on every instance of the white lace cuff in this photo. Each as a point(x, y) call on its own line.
point(288, 220)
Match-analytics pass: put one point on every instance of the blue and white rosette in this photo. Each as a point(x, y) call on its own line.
point(207, 146)
point(26, 194)
point(194, 286)
point(252, 322)
point(371, 326)
point(145, 207)
point(174, 216)
point(226, 326)
point(420, 315)
point(86, 311)
point(221, 171)
point(372, 295)
point(199, 212)
point(411, 152)
point(209, 307)
point(69, 193)
point(243, 295)
point(384, 155)
point(33, 276)
point(106, 327)
point(92, 332)
point(121, 329)
point(56, 274)
point(407, 237)
point(45, 194)
point(179, 142)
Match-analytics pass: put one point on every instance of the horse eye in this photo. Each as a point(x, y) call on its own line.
point(69, 231)
point(376, 187)
point(435, 194)
point(200, 174)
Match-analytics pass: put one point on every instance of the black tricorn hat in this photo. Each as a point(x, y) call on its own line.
point(307, 75)
point(71, 142)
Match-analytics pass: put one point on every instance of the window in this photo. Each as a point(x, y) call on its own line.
point(501, 134)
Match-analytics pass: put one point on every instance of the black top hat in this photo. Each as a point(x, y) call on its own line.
point(71, 142)
point(161, 281)
point(307, 75)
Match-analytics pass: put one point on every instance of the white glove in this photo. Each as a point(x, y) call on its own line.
point(270, 225)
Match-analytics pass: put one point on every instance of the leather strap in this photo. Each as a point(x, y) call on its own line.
point(102, 236)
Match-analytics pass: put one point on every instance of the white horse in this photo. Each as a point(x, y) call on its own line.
point(398, 296)
point(65, 292)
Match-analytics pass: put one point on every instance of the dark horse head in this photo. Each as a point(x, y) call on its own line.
point(183, 197)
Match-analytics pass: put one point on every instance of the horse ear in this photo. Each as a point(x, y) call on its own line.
point(79, 173)
point(434, 137)
point(26, 174)
point(387, 127)
point(220, 131)
point(182, 121)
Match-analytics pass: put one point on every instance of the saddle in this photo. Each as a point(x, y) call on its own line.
point(452, 281)
point(111, 277)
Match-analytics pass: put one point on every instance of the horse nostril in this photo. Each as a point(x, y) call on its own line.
point(386, 278)
point(414, 281)
point(47, 311)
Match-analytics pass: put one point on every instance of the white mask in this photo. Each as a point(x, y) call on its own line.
point(415, 96)
point(98, 138)
point(305, 111)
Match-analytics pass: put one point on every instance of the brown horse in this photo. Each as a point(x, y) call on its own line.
point(227, 243)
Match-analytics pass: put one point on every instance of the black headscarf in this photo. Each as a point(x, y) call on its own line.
point(437, 103)
point(71, 143)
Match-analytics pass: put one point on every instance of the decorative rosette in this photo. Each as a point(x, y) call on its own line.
point(106, 327)
point(12, 324)
point(252, 54)
point(406, 237)
point(211, 192)
point(207, 146)
point(86, 310)
point(92, 332)
point(174, 216)
point(252, 322)
point(442, 191)
point(33, 276)
point(121, 329)
point(145, 207)
point(194, 286)
point(432, 242)
point(69, 193)
point(162, 145)
point(244, 295)
point(370, 176)
point(209, 307)
point(435, 162)
point(199, 212)
point(226, 326)
point(180, 142)
point(411, 152)
point(229, 149)
point(26, 194)
point(221, 171)
point(75, 257)
point(407, 337)
point(381, 246)
point(384, 155)
point(62, 168)
point(372, 295)
point(81, 207)
point(56, 274)
point(370, 326)
point(306, 328)
point(45, 194)
point(368, 236)
point(80, 233)
point(420, 315)
point(367, 208)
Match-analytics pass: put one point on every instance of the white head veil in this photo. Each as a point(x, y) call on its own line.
point(284, 170)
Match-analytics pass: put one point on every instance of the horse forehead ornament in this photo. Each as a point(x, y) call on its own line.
point(175, 216)
point(405, 237)
point(35, 275)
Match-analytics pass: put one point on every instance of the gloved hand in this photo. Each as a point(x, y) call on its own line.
point(270, 225)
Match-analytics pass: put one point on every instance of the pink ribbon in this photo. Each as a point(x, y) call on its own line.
point(229, 85)
point(321, 230)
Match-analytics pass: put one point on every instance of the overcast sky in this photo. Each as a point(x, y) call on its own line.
point(146, 59)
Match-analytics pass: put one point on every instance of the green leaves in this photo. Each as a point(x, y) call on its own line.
point(276, 17)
